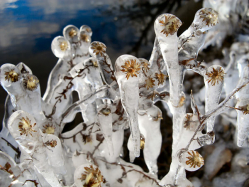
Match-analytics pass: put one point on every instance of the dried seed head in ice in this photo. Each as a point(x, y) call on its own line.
point(98, 48)
point(157, 117)
point(209, 16)
point(11, 76)
point(85, 38)
point(51, 143)
point(195, 160)
point(91, 177)
point(244, 109)
point(131, 68)
point(72, 33)
point(191, 122)
point(170, 23)
point(145, 66)
point(105, 111)
point(160, 78)
point(30, 82)
point(48, 129)
point(149, 83)
point(6, 168)
point(216, 75)
point(26, 127)
point(63, 45)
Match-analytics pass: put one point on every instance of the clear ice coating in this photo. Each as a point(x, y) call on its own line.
point(36, 152)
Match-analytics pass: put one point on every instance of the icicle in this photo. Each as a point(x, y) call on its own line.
point(105, 121)
point(98, 50)
point(127, 72)
point(53, 149)
point(86, 80)
point(193, 38)
point(242, 107)
point(149, 125)
point(214, 79)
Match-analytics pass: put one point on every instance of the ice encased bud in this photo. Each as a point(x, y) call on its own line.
point(88, 175)
point(191, 160)
point(167, 24)
point(60, 47)
point(205, 18)
point(85, 33)
point(22, 127)
point(54, 149)
point(71, 33)
point(127, 75)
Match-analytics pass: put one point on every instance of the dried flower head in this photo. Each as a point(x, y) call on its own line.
point(72, 33)
point(11, 76)
point(26, 127)
point(157, 117)
point(131, 68)
point(182, 101)
point(85, 37)
point(170, 23)
point(145, 66)
point(92, 177)
point(63, 45)
point(105, 111)
point(187, 121)
point(30, 82)
point(6, 168)
point(215, 76)
point(244, 109)
point(195, 159)
point(88, 29)
point(98, 48)
point(149, 83)
point(51, 143)
point(48, 129)
point(209, 16)
point(160, 78)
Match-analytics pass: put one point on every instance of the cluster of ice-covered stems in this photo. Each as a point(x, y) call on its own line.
point(233, 21)
point(109, 102)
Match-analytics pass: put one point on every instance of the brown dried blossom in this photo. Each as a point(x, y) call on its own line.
point(30, 82)
point(72, 33)
point(149, 83)
point(11, 76)
point(6, 168)
point(98, 48)
point(215, 76)
point(131, 68)
point(92, 177)
point(157, 117)
point(195, 159)
point(85, 38)
point(51, 143)
point(209, 16)
point(63, 45)
point(26, 127)
point(171, 24)
point(105, 111)
point(160, 78)
point(244, 109)
point(145, 66)
point(187, 121)
point(48, 129)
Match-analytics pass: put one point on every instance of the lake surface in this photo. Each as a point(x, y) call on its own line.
point(126, 27)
